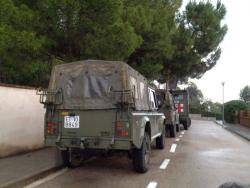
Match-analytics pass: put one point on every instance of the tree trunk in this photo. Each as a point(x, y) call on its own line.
point(167, 78)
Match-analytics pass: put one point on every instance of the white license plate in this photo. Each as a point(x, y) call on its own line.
point(72, 122)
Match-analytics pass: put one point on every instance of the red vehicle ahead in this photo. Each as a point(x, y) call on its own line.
point(181, 100)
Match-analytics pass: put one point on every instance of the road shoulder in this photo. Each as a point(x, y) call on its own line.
point(242, 131)
point(21, 168)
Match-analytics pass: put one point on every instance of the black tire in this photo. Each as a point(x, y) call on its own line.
point(185, 125)
point(189, 122)
point(71, 158)
point(141, 156)
point(167, 127)
point(160, 141)
point(177, 127)
point(172, 131)
point(65, 158)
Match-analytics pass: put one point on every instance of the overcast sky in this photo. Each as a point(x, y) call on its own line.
point(233, 66)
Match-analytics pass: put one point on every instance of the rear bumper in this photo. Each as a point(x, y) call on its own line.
point(90, 143)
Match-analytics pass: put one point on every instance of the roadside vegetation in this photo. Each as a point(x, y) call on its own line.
point(154, 37)
point(233, 107)
point(207, 108)
point(245, 94)
point(200, 105)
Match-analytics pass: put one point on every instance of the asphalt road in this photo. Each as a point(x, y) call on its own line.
point(204, 157)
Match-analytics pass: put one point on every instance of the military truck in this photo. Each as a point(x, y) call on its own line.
point(167, 106)
point(98, 106)
point(181, 100)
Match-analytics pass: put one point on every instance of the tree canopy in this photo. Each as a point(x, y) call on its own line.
point(245, 94)
point(152, 36)
point(195, 97)
point(199, 105)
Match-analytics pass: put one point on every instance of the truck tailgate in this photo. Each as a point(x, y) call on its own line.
point(91, 123)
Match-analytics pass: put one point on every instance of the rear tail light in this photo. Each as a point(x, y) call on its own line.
point(51, 130)
point(51, 124)
point(52, 127)
point(180, 107)
point(121, 129)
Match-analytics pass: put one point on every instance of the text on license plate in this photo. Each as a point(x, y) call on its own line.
point(71, 121)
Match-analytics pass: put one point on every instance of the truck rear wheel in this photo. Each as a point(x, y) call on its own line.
point(76, 158)
point(185, 125)
point(189, 122)
point(177, 127)
point(141, 156)
point(160, 141)
point(65, 157)
point(71, 158)
point(172, 130)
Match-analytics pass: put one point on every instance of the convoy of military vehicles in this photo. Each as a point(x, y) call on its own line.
point(97, 106)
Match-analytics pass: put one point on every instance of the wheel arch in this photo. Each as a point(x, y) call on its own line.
point(142, 124)
point(148, 129)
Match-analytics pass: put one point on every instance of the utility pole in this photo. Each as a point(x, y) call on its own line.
point(223, 114)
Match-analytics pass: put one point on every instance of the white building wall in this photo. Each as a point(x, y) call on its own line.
point(21, 120)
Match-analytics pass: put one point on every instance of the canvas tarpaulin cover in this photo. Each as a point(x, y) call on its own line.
point(92, 84)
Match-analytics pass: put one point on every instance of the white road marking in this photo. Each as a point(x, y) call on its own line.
point(173, 147)
point(177, 139)
point(152, 184)
point(181, 136)
point(164, 164)
point(46, 179)
point(183, 132)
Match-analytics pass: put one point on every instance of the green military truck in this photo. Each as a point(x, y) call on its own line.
point(181, 100)
point(98, 106)
point(167, 106)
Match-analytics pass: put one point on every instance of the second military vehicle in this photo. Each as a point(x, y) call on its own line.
point(99, 106)
point(167, 107)
point(181, 100)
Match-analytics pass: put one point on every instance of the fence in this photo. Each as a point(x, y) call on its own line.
point(244, 118)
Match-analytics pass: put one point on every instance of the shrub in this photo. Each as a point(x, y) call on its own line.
point(194, 109)
point(217, 115)
point(231, 107)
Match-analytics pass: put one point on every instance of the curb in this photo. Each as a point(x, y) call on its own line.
point(218, 123)
point(237, 133)
point(232, 131)
point(29, 179)
point(35, 177)
point(23, 152)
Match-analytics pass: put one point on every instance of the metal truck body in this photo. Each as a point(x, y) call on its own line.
point(181, 100)
point(101, 106)
point(166, 102)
